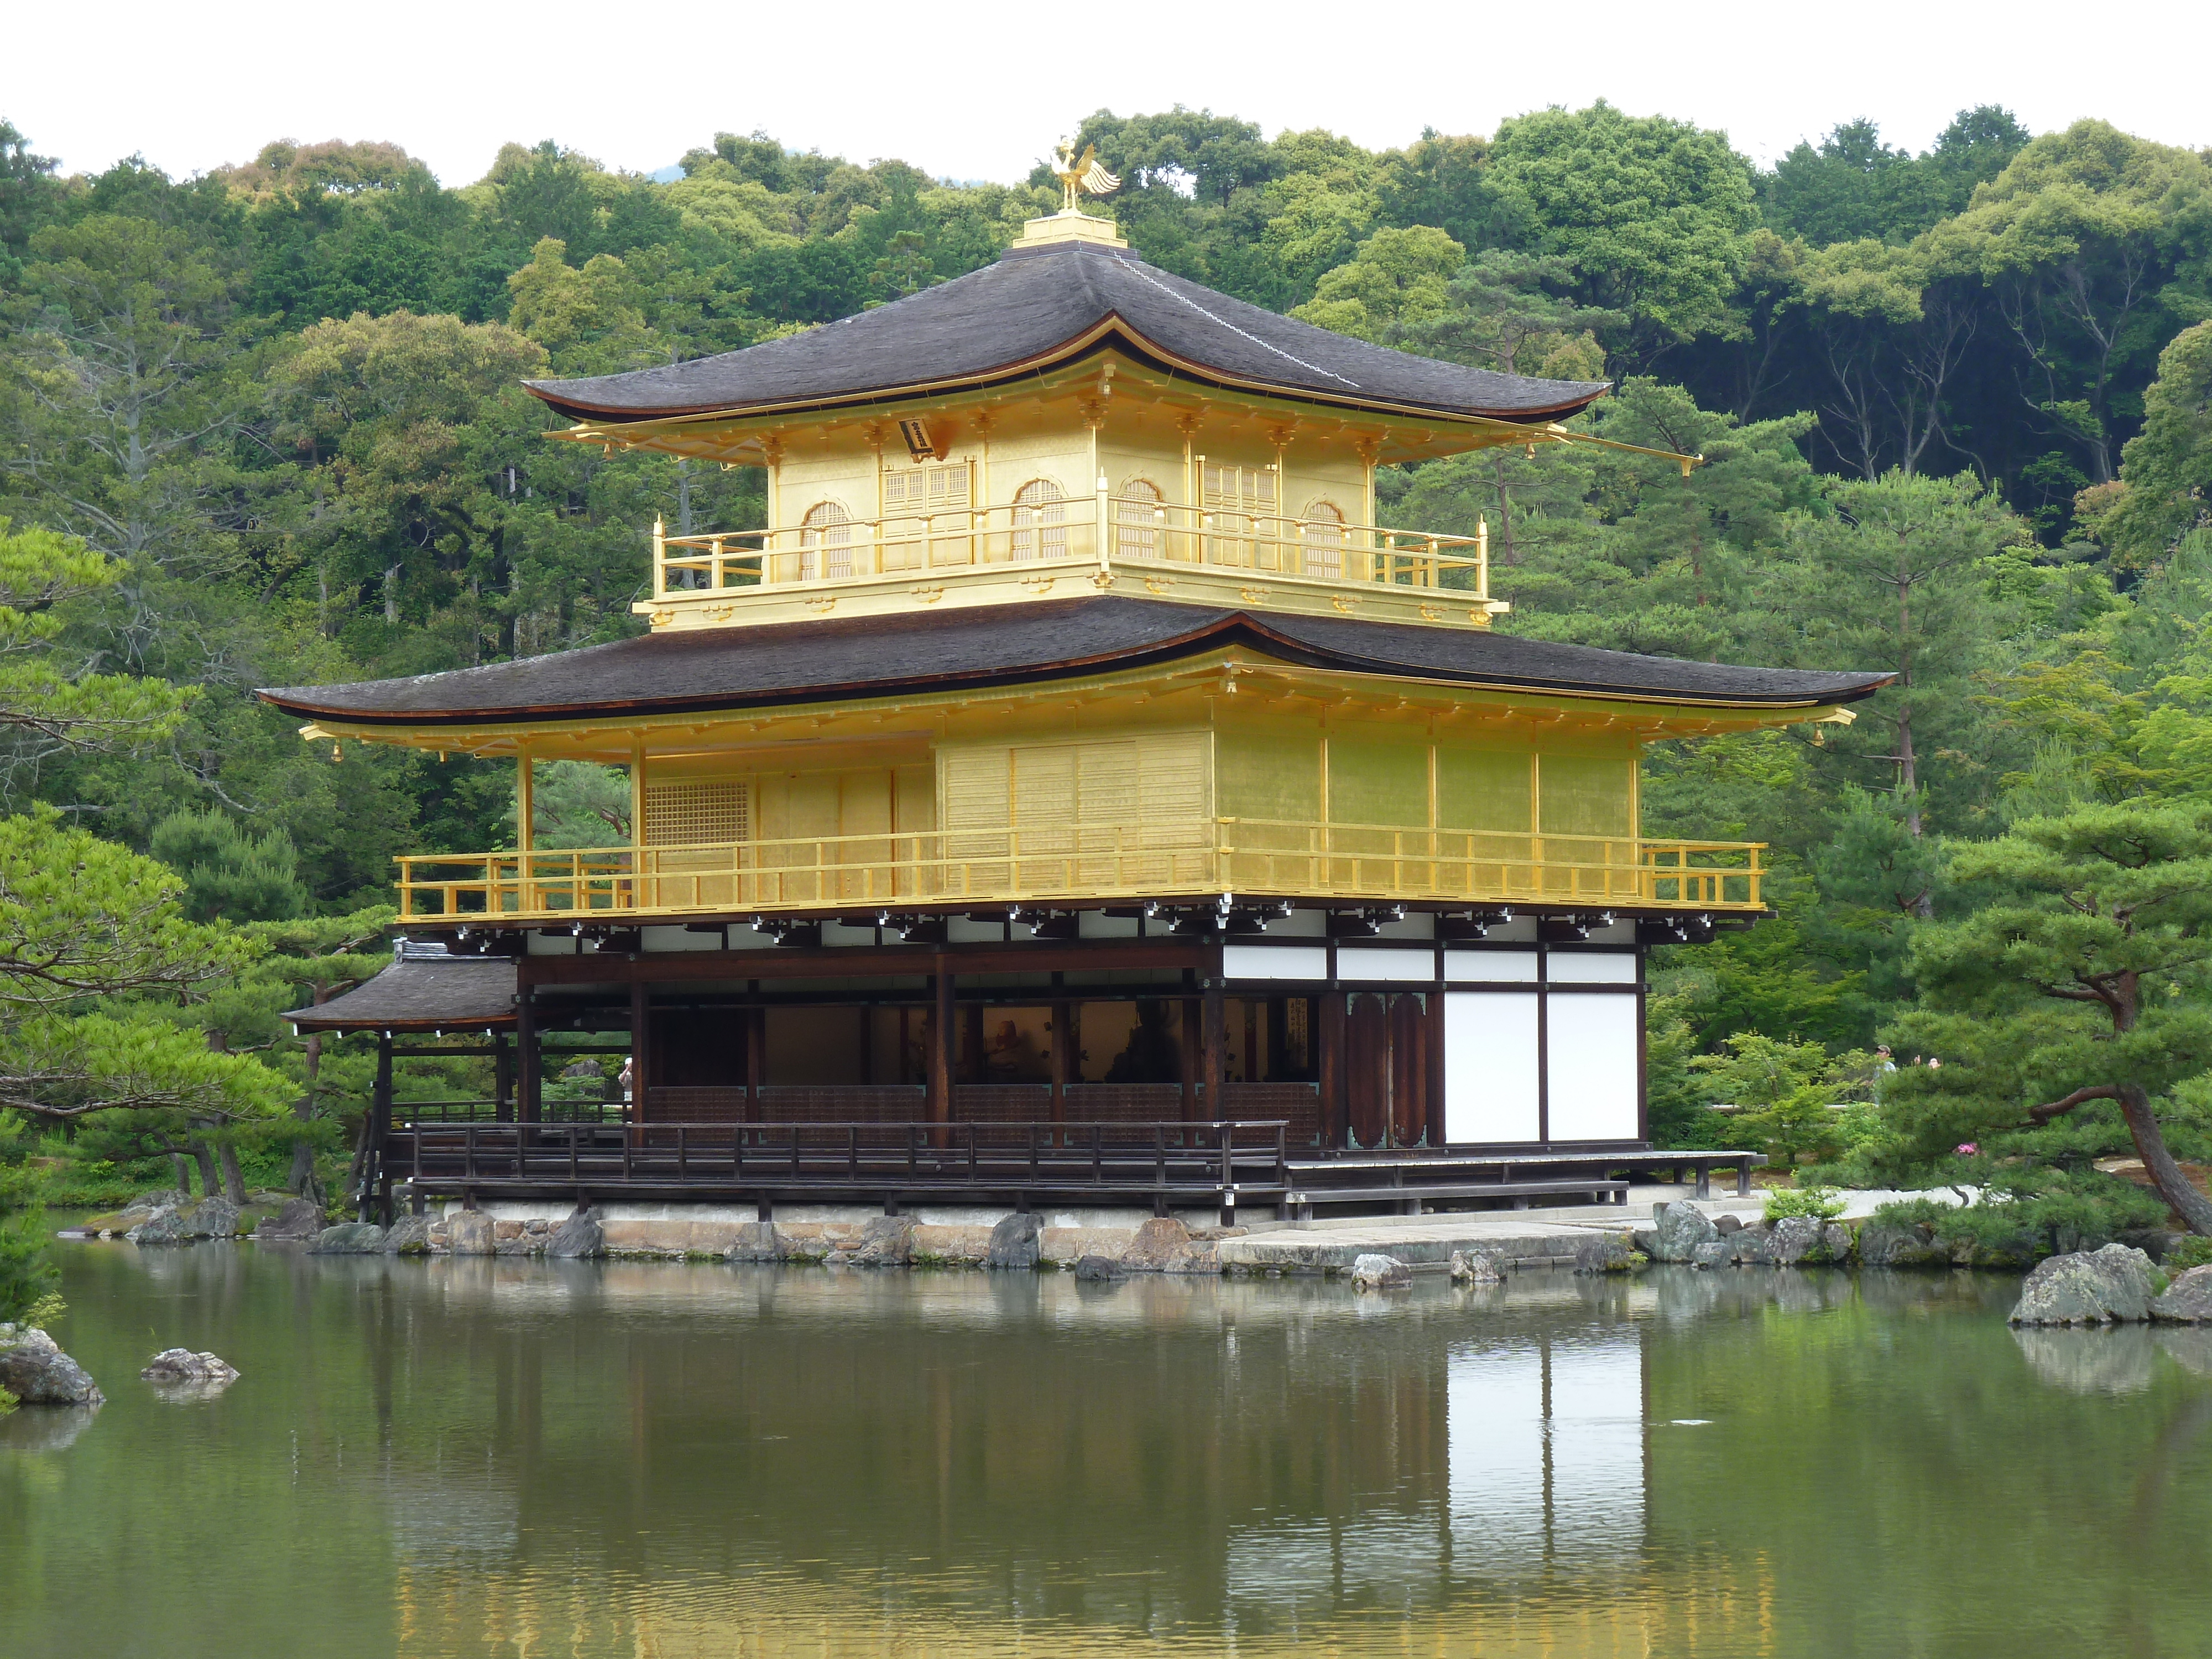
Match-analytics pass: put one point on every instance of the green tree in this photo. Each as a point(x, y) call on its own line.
point(230, 875)
point(1397, 279)
point(2165, 487)
point(2083, 978)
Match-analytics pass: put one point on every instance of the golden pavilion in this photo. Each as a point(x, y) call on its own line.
point(1071, 790)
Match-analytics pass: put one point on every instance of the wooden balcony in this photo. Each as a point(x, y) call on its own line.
point(967, 868)
point(1094, 543)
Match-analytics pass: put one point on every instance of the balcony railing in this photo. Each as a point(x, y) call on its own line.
point(1067, 865)
point(1064, 537)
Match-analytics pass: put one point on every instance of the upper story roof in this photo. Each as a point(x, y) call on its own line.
point(714, 669)
point(1043, 304)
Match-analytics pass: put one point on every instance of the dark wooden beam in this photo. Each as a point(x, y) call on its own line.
point(940, 1052)
point(1216, 1018)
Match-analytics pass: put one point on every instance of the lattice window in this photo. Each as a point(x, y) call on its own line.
point(924, 490)
point(1239, 489)
point(1137, 520)
point(1321, 532)
point(1040, 521)
point(825, 542)
point(697, 813)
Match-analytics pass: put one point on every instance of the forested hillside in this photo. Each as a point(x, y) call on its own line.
point(1954, 405)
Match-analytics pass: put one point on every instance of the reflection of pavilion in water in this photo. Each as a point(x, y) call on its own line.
point(1545, 1449)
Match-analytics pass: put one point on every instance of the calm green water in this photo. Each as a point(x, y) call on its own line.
point(498, 1458)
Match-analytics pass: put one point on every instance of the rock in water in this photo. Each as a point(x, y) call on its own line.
point(1836, 1241)
point(2112, 1286)
point(1797, 1238)
point(1887, 1244)
point(1725, 1224)
point(1680, 1230)
point(1603, 1253)
point(2188, 1300)
point(183, 1366)
point(1380, 1272)
point(1713, 1253)
point(756, 1242)
point(300, 1218)
point(1162, 1246)
point(579, 1238)
point(1099, 1270)
point(885, 1241)
point(211, 1218)
point(409, 1235)
point(1016, 1242)
point(1751, 1247)
point(349, 1238)
point(470, 1232)
point(37, 1372)
point(1476, 1268)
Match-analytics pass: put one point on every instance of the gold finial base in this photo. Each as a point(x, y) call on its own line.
point(1070, 225)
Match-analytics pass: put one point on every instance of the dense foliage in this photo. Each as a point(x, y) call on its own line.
point(264, 427)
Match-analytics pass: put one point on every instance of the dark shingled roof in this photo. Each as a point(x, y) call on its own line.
point(702, 669)
point(422, 994)
point(1036, 304)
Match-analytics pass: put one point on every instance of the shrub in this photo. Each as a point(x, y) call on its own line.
point(1819, 1202)
point(2192, 1252)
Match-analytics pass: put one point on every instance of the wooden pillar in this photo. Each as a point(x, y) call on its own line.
point(528, 1058)
point(1065, 1064)
point(940, 1052)
point(375, 1181)
point(755, 1029)
point(1328, 1064)
point(641, 1050)
point(1435, 1077)
point(1187, 1053)
point(1217, 1052)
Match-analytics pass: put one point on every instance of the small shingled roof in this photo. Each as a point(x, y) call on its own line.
point(698, 670)
point(1034, 306)
point(422, 994)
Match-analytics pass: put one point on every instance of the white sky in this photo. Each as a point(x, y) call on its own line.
point(979, 90)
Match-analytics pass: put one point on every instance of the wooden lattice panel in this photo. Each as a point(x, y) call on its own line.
point(697, 813)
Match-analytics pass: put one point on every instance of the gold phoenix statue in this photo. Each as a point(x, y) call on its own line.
point(1080, 174)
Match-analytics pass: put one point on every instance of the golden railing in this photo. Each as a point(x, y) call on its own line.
point(1099, 531)
point(1063, 864)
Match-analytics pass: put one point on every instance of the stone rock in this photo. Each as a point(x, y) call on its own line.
point(1679, 1231)
point(1798, 1238)
point(1713, 1253)
point(183, 1366)
point(1016, 1242)
point(468, 1232)
point(578, 1238)
point(1887, 1244)
point(756, 1242)
point(1162, 1245)
point(211, 1218)
point(1725, 1224)
point(1645, 1240)
point(1751, 1247)
point(2154, 1242)
point(37, 1372)
point(1475, 1267)
point(2188, 1300)
point(1370, 1272)
point(1601, 1253)
point(349, 1238)
point(1099, 1270)
point(1836, 1241)
point(409, 1235)
point(887, 1240)
point(2112, 1284)
point(300, 1218)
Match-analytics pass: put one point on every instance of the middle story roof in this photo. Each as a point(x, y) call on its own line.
point(714, 669)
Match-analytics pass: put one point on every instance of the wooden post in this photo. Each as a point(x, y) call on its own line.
point(756, 1029)
point(640, 1050)
point(940, 1051)
point(1188, 1056)
point(1064, 1062)
point(529, 1058)
point(375, 1181)
point(1217, 1052)
point(1328, 1046)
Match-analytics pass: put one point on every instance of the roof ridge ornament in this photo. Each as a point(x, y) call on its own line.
point(1079, 175)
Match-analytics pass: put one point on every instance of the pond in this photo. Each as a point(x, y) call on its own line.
point(492, 1458)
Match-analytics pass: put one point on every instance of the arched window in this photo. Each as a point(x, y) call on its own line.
point(1040, 521)
point(1320, 532)
point(1137, 520)
point(825, 543)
